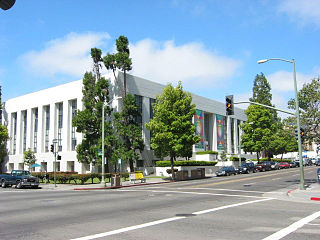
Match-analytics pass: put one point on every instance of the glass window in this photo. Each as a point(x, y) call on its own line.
point(139, 103)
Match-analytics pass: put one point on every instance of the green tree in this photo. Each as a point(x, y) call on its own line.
point(120, 60)
point(129, 131)
point(258, 130)
point(173, 133)
point(261, 90)
point(284, 142)
point(88, 121)
point(4, 136)
point(309, 103)
point(29, 157)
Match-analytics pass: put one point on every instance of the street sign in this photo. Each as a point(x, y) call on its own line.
point(119, 160)
point(99, 153)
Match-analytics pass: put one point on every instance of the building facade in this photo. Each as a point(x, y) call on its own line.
point(37, 119)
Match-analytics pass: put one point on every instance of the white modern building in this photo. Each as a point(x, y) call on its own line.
point(36, 119)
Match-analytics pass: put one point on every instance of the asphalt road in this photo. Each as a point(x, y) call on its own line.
point(250, 206)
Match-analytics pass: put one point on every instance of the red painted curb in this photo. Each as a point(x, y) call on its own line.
point(133, 185)
point(289, 192)
point(315, 199)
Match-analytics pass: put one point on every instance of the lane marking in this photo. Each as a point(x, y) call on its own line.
point(293, 227)
point(242, 179)
point(144, 225)
point(273, 179)
point(194, 193)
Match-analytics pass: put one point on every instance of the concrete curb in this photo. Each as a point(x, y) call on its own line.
point(116, 187)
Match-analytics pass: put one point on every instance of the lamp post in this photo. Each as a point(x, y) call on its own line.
point(302, 186)
point(103, 182)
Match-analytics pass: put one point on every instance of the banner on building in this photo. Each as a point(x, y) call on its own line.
point(220, 132)
point(199, 124)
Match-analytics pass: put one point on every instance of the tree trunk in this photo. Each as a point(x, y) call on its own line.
point(281, 156)
point(125, 83)
point(258, 156)
point(172, 169)
point(131, 165)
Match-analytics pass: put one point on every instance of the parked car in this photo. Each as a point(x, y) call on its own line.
point(226, 171)
point(293, 164)
point(284, 165)
point(247, 168)
point(19, 178)
point(275, 165)
point(264, 166)
point(297, 162)
point(317, 163)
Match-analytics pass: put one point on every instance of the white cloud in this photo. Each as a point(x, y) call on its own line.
point(68, 55)
point(191, 63)
point(303, 12)
point(283, 80)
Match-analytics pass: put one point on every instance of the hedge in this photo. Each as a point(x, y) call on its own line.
point(185, 163)
point(207, 152)
point(237, 158)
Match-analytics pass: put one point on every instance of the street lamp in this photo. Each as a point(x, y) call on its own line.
point(103, 182)
point(302, 187)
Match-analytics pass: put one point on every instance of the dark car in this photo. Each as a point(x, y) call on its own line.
point(275, 165)
point(264, 166)
point(226, 171)
point(293, 164)
point(20, 178)
point(247, 168)
point(317, 163)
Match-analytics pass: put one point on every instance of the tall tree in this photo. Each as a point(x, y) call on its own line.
point(4, 136)
point(261, 92)
point(173, 133)
point(88, 121)
point(258, 130)
point(309, 103)
point(129, 131)
point(120, 60)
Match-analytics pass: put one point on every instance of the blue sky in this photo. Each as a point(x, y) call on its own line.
point(212, 46)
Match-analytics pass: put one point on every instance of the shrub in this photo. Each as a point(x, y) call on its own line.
point(62, 178)
point(125, 175)
point(185, 163)
point(82, 177)
point(237, 159)
point(207, 152)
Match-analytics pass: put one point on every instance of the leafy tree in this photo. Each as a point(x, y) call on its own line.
point(173, 133)
point(284, 142)
point(29, 158)
point(88, 121)
point(309, 103)
point(258, 130)
point(4, 136)
point(261, 90)
point(129, 131)
point(120, 60)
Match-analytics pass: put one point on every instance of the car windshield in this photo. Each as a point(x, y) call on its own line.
point(244, 164)
point(21, 173)
point(224, 168)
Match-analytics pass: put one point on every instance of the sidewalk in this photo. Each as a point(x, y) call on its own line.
point(98, 186)
point(312, 193)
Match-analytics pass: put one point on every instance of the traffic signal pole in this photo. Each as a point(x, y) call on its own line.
point(302, 186)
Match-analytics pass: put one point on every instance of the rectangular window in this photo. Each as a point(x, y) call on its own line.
point(60, 121)
point(24, 122)
point(35, 129)
point(139, 103)
point(73, 129)
point(47, 128)
point(14, 133)
point(152, 101)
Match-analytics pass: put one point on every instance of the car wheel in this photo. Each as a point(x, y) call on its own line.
point(3, 184)
point(19, 185)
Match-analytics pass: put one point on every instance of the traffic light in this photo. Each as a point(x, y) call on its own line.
point(58, 157)
point(51, 148)
point(302, 134)
point(229, 105)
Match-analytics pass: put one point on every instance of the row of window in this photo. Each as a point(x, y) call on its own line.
point(34, 128)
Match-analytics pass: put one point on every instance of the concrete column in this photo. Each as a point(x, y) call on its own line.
point(146, 119)
point(229, 150)
point(214, 146)
point(65, 125)
point(40, 139)
point(19, 134)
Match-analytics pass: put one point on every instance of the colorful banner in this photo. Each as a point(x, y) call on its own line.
point(220, 132)
point(199, 124)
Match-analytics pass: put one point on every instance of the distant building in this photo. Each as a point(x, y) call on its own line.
point(35, 119)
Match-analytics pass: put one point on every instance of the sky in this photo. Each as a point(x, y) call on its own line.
point(211, 46)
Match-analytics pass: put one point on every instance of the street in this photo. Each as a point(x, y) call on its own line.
point(248, 206)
